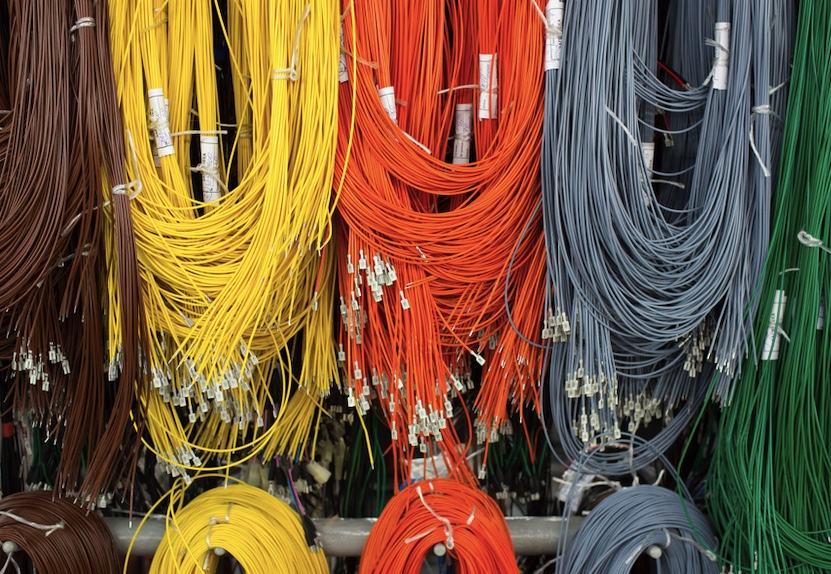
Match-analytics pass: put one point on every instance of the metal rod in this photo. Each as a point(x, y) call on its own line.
point(532, 536)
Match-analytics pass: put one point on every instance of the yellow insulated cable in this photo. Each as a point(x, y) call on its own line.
point(264, 534)
point(236, 278)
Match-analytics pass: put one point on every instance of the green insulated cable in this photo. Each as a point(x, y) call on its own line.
point(770, 494)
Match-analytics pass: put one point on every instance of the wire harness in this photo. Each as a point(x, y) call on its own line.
point(441, 516)
point(54, 536)
point(261, 532)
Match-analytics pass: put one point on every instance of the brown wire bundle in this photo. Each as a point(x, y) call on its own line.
point(55, 536)
point(51, 185)
point(64, 154)
point(34, 207)
point(103, 467)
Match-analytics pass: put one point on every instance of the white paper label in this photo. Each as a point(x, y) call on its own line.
point(387, 96)
point(648, 150)
point(821, 316)
point(209, 149)
point(554, 11)
point(720, 66)
point(419, 472)
point(462, 133)
point(773, 339)
point(488, 109)
point(343, 73)
point(159, 119)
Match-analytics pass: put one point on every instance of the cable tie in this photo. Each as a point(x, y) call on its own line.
point(199, 133)
point(753, 147)
point(622, 125)
point(463, 87)
point(418, 143)
point(765, 110)
point(448, 528)
point(677, 184)
point(75, 219)
point(48, 528)
point(10, 558)
point(85, 22)
point(706, 552)
point(809, 240)
point(412, 539)
point(211, 172)
point(472, 514)
point(136, 185)
point(712, 43)
point(368, 63)
point(291, 72)
point(658, 480)
point(775, 89)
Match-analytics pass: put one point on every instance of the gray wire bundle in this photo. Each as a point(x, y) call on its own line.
point(653, 271)
point(637, 520)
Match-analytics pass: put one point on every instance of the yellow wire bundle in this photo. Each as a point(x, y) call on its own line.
point(260, 531)
point(230, 282)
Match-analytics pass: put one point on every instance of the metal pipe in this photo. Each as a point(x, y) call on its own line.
point(532, 536)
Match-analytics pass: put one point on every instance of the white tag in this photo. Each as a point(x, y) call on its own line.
point(462, 133)
point(418, 472)
point(488, 109)
point(343, 73)
point(821, 316)
point(159, 117)
point(648, 150)
point(209, 148)
point(554, 11)
point(387, 96)
point(720, 66)
point(770, 350)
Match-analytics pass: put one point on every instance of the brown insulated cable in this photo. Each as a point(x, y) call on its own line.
point(55, 536)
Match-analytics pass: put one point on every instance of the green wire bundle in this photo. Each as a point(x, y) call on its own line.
point(770, 483)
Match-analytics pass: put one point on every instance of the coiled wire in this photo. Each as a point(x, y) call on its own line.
point(465, 520)
point(260, 531)
point(637, 520)
point(54, 536)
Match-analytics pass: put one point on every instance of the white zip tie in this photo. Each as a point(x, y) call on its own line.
point(448, 528)
point(48, 528)
point(464, 87)
point(550, 31)
point(136, 185)
point(775, 89)
point(472, 514)
point(809, 240)
point(622, 125)
point(291, 73)
point(86, 22)
point(200, 133)
point(211, 172)
point(753, 147)
point(10, 558)
point(677, 184)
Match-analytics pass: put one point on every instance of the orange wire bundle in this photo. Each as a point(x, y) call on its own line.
point(425, 245)
point(465, 520)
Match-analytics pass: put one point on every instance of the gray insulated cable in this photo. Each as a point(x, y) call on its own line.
point(653, 268)
point(642, 520)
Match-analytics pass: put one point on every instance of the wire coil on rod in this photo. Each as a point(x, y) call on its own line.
point(643, 519)
point(260, 531)
point(55, 536)
point(439, 515)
